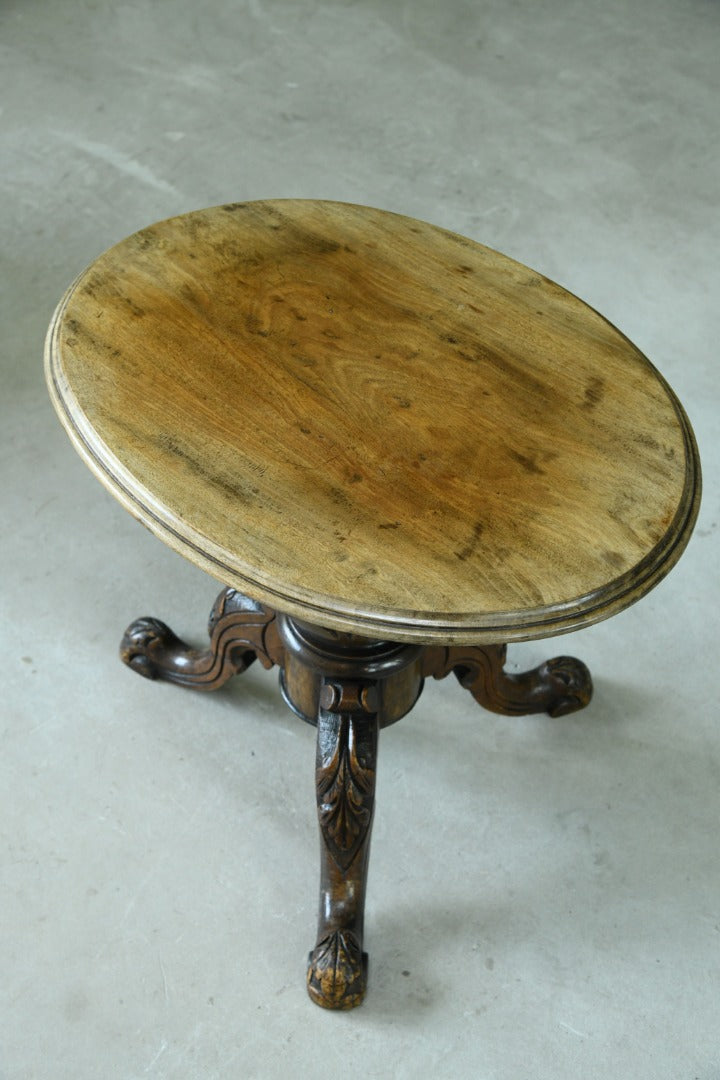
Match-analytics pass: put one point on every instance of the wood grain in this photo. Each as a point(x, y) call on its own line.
point(374, 424)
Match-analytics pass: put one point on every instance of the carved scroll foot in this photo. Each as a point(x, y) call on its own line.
point(559, 686)
point(347, 739)
point(241, 630)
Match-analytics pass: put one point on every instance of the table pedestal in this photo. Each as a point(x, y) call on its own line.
point(349, 687)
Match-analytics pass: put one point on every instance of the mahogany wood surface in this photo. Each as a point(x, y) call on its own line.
point(373, 424)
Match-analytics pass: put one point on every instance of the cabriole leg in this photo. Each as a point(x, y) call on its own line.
point(350, 686)
point(347, 739)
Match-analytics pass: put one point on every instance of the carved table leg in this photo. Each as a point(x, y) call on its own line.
point(558, 686)
point(240, 630)
point(351, 686)
point(347, 738)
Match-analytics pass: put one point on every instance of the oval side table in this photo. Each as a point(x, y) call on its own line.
point(398, 451)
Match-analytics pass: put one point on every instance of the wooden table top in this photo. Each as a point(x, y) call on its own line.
point(374, 424)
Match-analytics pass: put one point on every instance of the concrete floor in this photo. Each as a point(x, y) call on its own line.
point(545, 894)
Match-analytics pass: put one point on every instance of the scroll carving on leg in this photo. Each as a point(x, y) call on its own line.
point(347, 738)
point(241, 630)
point(559, 686)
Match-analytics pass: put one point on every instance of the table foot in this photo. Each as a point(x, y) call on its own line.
point(559, 686)
point(241, 630)
point(337, 971)
point(346, 762)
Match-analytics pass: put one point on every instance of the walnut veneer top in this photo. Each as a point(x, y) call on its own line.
point(374, 424)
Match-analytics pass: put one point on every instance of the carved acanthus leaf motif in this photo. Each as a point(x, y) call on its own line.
point(345, 795)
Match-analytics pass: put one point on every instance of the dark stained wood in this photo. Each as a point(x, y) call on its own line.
point(312, 655)
point(350, 686)
point(347, 739)
point(558, 687)
point(241, 630)
point(373, 424)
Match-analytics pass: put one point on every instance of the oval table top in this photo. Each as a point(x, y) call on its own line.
point(374, 424)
